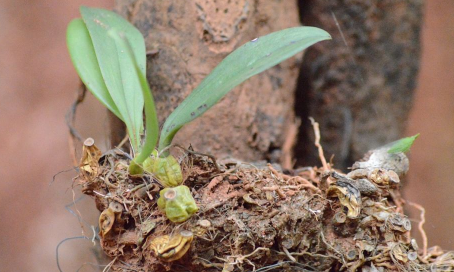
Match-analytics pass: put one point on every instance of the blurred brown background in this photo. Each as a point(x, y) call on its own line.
point(38, 84)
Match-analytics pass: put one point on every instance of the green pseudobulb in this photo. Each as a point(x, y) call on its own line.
point(178, 203)
point(135, 169)
point(167, 170)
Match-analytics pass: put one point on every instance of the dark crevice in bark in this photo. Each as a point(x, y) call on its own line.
point(359, 86)
point(302, 102)
point(303, 98)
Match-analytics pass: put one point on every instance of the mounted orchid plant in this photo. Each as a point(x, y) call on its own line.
point(110, 57)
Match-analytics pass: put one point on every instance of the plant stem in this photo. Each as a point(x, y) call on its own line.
point(164, 143)
point(151, 121)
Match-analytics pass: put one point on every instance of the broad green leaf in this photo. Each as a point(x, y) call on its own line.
point(248, 60)
point(83, 57)
point(152, 126)
point(402, 145)
point(116, 68)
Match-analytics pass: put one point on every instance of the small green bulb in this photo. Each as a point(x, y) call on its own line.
point(135, 169)
point(178, 203)
point(167, 170)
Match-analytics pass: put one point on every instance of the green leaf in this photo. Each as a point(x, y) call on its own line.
point(152, 126)
point(116, 67)
point(83, 57)
point(248, 60)
point(402, 145)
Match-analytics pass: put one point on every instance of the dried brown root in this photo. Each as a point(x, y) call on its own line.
point(315, 125)
point(70, 118)
point(287, 147)
point(302, 182)
point(421, 227)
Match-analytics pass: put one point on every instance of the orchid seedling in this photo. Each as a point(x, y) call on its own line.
point(402, 145)
point(109, 56)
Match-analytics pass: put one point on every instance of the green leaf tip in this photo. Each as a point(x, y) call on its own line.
point(107, 71)
point(248, 60)
point(402, 145)
point(151, 119)
point(83, 57)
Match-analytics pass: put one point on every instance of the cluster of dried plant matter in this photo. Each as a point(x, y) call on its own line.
point(253, 217)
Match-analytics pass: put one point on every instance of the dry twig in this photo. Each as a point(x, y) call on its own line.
point(326, 166)
point(287, 147)
point(70, 118)
point(420, 226)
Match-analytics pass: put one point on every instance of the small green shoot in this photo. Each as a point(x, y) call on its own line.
point(402, 145)
point(109, 55)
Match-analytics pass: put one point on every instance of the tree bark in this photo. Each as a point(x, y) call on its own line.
point(187, 39)
point(360, 86)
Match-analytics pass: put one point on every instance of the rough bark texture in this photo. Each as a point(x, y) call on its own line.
point(359, 89)
point(360, 93)
point(187, 39)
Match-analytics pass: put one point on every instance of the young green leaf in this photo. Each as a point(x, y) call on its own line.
point(152, 126)
point(83, 57)
point(116, 68)
point(402, 145)
point(248, 60)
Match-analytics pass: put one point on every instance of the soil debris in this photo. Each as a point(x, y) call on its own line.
point(254, 218)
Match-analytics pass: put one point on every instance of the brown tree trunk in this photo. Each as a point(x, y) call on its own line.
point(187, 39)
point(359, 86)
